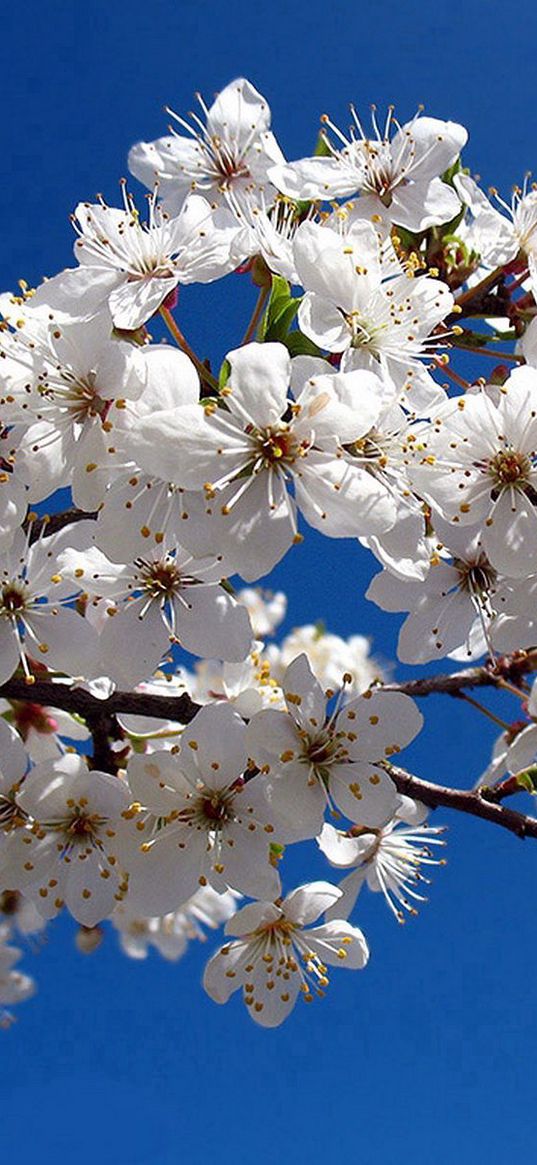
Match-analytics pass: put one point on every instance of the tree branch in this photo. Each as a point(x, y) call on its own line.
point(72, 699)
point(493, 675)
point(473, 801)
point(484, 803)
point(182, 709)
point(53, 523)
point(103, 726)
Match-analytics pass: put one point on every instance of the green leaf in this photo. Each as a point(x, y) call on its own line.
point(280, 313)
point(322, 149)
point(410, 241)
point(299, 345)
point(223, 375)
point(528, 779)
point(456, 168)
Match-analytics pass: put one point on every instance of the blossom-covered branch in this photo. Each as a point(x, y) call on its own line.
point(336, 405)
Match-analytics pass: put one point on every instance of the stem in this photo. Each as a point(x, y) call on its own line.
point(180, 709)
point(485, 711)
point(174, 329)
point(506, 788)
point(256, 315)
point(518, 282)
point(518, 692)
point(102, 726)
point(462, 383)
point(53, 523)
point(493, 354)
point(477, 290)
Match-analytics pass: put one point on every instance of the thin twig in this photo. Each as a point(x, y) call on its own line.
point(174, 329)
point(510, 667)
point(256, 314)
point(494, 353)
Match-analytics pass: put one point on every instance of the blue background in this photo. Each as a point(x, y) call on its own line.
point(429, 1053)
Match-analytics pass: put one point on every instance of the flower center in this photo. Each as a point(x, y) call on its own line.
point(477, 578)
point(510, 468)
point(371, 449)
point(380, 176)
point(279, 447)
point(161, 579)
point(13, 599)
point(364, 334)
point(211, 810)
point(81, 826)
point(281, 927)
point(323, 750)
point(228, 164)
point(80, 396)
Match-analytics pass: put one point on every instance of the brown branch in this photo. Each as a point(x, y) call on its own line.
point(72, 699)
point(53, 523)
point(182, 709)
point(510, 667)
point(103, 727)
point(474, 801)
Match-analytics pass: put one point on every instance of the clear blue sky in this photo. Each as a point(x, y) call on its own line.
point(430, 1052)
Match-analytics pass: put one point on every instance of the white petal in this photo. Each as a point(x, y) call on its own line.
point(259, 381)
point(330, 940)
point(305, 904)
point(364, 794)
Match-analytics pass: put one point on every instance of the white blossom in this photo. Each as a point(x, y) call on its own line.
point(196, 820)
point(132, 267)
point(277, 956)
point(67, 854)
point(397, 177)
point(478, 466)
point(245, 455)
point(35, 622)
point(231, 152)
point(364, 305)
point(389, 860)
point(15, 987)
point(163, 598)
point(314, 758)
point(171, 933)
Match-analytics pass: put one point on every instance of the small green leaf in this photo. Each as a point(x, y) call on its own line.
point(299, 345)
point(223, 375)
point(410, 241)
point(322, 149)
point(280, 313)
point(456, 168)
point(528, 779)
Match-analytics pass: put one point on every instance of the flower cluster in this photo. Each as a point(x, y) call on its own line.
point(339, 410)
